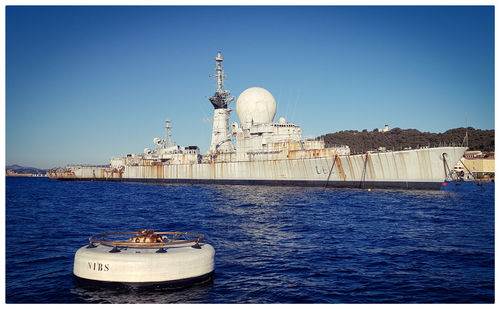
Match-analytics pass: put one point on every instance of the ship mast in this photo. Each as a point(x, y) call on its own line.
point(219, 70)
point(221, 97)
point(167, 133)
point(221, 137)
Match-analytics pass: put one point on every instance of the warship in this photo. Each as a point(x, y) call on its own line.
point(258, 151)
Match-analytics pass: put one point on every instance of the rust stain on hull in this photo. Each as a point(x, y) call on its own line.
point(340, 168)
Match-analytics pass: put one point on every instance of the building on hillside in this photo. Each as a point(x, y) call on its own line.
point(473, 154)
point(385, 129)
point(475, 163)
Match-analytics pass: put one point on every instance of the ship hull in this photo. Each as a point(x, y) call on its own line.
point(409, 169)
point(291, 183)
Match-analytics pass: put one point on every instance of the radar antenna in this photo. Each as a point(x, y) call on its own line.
point(221, 97)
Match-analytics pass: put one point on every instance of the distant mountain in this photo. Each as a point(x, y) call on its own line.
point(398, 139)
point(24, 170)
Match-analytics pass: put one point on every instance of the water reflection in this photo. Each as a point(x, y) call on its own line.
point(266, 215)
point(193, 294)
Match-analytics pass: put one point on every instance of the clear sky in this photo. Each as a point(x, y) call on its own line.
point(87, 83)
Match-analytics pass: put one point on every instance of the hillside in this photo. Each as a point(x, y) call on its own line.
point(397, 139)
point(24, 170)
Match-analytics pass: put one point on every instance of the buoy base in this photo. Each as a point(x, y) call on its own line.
point(171, 284)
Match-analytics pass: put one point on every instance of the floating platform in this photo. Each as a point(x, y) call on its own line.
point(147, 259)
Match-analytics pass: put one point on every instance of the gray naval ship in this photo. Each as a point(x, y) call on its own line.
point(258, 151)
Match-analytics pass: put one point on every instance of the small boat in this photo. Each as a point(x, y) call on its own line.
point(145, 259)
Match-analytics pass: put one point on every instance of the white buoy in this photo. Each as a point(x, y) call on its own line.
point(146, 259)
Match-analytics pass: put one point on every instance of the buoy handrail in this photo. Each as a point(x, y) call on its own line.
point(164, 243)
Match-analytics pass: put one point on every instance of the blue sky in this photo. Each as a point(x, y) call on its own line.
point(87, 83)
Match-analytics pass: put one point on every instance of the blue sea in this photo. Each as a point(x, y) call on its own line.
point(273, 244)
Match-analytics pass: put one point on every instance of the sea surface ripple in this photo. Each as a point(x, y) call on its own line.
point(273, 244)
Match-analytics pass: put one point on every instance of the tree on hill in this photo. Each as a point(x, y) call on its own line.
point(398, 139)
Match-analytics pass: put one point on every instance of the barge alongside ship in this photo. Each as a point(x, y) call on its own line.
point(270, 153)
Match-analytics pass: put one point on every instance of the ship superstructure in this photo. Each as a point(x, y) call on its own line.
point(259, 151)
point(221, 138)
point(166, 152)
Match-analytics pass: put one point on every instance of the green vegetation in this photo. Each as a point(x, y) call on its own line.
point(398, 139)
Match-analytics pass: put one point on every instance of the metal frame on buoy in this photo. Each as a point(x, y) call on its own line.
point(144, 239)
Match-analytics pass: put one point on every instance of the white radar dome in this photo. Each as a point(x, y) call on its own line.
point(255, 106)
